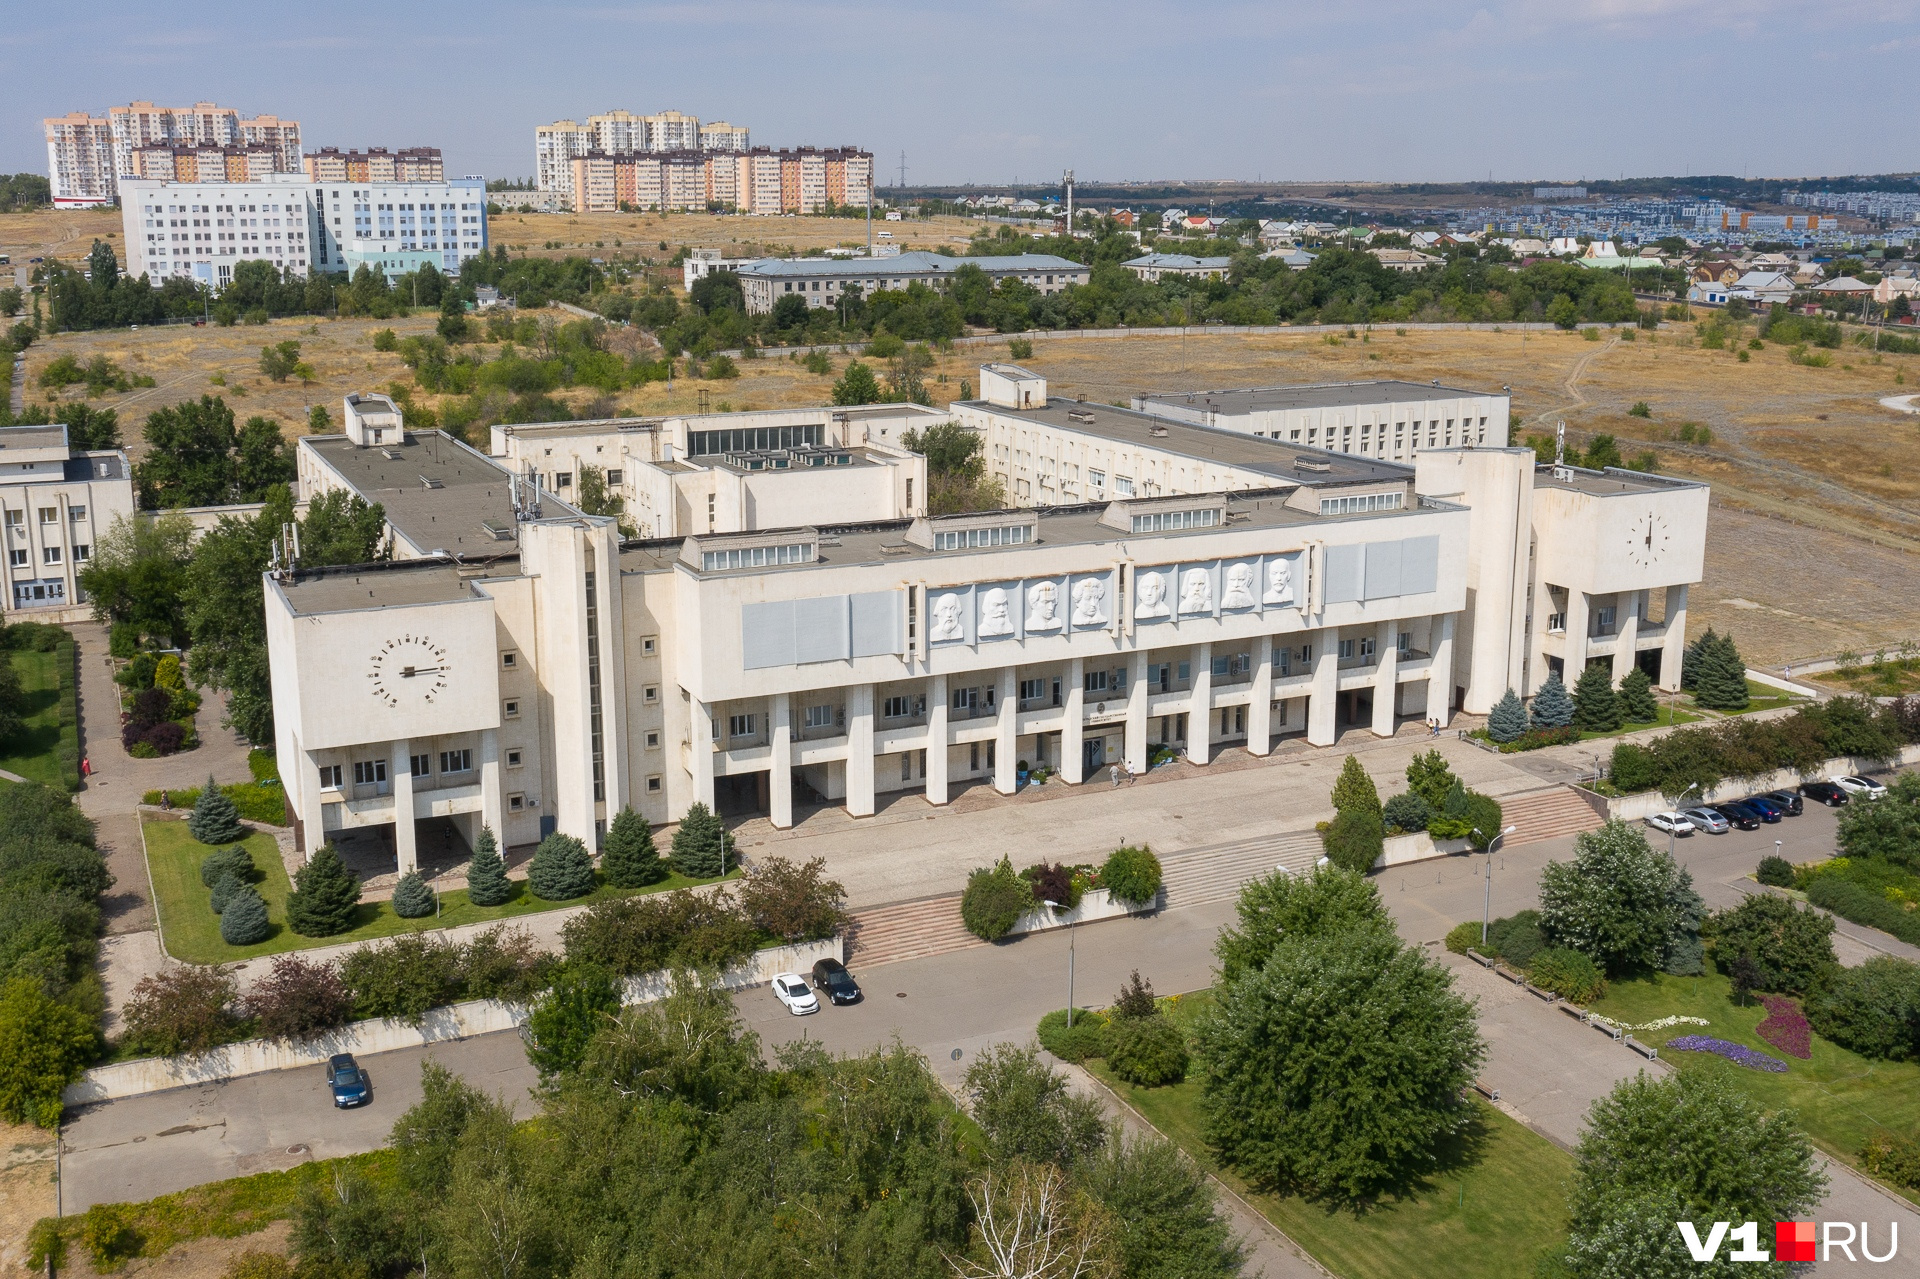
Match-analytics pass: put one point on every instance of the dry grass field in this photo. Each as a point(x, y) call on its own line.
point(659, 234)
point(50, 233)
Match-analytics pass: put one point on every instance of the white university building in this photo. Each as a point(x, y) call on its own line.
point(790, 627)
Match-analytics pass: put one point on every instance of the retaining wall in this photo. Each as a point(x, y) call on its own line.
point(1095, 903)
point(1417, 847)
point(1633, 808)
point(440, 1025)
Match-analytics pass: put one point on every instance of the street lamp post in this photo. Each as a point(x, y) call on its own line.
point(1072, 925)
point(1691, 788)
point(1486, 911)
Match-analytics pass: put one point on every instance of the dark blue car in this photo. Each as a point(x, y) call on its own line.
point(1769, 808)
point(349, 1083)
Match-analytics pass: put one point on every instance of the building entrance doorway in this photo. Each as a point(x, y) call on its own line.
point(1093, 754)
point(744, 795)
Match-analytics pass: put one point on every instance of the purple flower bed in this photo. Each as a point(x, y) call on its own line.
point(1739, 1054)
point(1786, 1027)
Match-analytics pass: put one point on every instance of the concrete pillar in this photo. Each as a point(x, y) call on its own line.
point(1673, 648)
point(1323, 724)
point(1440, 669)
point(1260, 698)
point(1626, 614)
point(400, 770)
point(700, 730)
point(780, 769)
point(1386, 677)
point(492, 806)
point(860, 750)
point(1006, 737)
point(1200, 707)
point(1073, 734)
point(1136, 751)
point(1536, 671)
point(937, 740)
point(1579, 618)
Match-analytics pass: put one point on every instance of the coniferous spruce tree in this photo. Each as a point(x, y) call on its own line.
point(1596, 709)
point(1690, 659)
point(702, 846)
point(561, 869)
point(630, 859)
point(325, 896)
point(1552, 707)
point(487, 882)
point(215, 820)
point(1508, 719)
point(1354, 791)
point(1720, 681)
point(244, 921)
point(413, 896)
point(1637, 703)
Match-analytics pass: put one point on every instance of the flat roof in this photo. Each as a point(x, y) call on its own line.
point(393, 584)
point(33, 437)
point(1311, 395)
point(103, 464)
point(436, 491)
point(1274, 458)
point(1611, 482)
point(1178, 260)
point(915, 263)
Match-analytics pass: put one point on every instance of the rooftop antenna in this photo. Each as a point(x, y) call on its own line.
point(903, 170)
point(1068, 181)
point(1560, 445)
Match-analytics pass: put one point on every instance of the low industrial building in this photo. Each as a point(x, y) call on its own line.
point(823, 281)
point(1385, 419)
point(1155, 265)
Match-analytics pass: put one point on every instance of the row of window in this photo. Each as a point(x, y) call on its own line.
point(1161, 521)
point(18, 556)
point(757, 556)
point(48, 515)
point(1001, 535)
point(1362, 502)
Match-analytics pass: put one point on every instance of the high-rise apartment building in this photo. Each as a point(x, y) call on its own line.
point(376, 164)
point(613, 133)
point(88, 155)
point(800, 180)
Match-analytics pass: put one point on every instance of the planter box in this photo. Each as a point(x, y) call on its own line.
point(1637, 807)
point(1417, 847)
point(1095, 903)
point(454, 1021)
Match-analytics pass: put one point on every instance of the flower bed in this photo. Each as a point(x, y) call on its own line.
point(1786, 1027)
point(1738, 1054)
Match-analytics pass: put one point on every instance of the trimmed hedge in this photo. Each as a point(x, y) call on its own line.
point(1088, 1038)
point(68, 656)
point(1861, 905)
point(262, 802)
point(1131, 874)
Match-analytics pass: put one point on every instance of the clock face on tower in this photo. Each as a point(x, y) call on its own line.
point(408, 671)
point(1647, 540)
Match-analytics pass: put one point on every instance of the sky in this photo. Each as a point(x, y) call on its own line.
point(992, 92)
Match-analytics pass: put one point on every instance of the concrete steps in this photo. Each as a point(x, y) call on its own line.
point(908, 930)
point(1201, 876)
point(1548, 814)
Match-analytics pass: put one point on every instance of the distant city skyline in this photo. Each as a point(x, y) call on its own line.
point(1521, 91)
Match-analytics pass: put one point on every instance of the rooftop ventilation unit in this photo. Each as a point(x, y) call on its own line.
point(1077, 415)
point(431, 482)
point(497, 531)
point(1302, 464)
point(392, 455)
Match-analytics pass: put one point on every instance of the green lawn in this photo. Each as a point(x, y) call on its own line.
point(1493, 1207)
point(192, 930)
point(1842, 1098)
point(1760, 697)
point(35, 753)
point(1668, 718)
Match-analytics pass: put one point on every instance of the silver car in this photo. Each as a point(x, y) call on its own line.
point(1707, 820)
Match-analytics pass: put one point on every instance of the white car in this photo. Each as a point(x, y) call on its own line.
point(792, 990)
point(1864, 787)
point(1671, 823)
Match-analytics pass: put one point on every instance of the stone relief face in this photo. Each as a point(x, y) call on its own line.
point(996, 618)
point(1043, 606)
point(946, 618)
point(1151, 596)
point(1196, 591)
point(1239, 588)
point(1089, 599)
point(1279, 582)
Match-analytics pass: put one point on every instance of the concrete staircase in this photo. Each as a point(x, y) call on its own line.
point(908, 930)
point(1548, 814)
point(1201, 876)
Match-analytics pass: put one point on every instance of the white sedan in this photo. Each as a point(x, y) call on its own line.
point(1864, 787)
point(792, 990)
point(1671, 823)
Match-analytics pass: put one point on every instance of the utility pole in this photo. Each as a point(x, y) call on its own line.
point(903, 171)
point(1067, 180)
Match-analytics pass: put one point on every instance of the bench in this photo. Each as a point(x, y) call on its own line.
point(1605, 1027)
point(1518, 979)
point(1547, 995)
point(1574, 1011)
point(1491, 1094)
point(1645, 1050)
point(1481, 959)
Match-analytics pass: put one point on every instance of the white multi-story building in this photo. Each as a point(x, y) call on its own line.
point(81, 177)
point(56, 502)
point(822, 281)
point(1384, 419)
point(718, 135)
point(621, 133)
point(815, 638)
point(203, 229)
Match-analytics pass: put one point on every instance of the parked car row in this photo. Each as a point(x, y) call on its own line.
point(1753, 811)
point(830, 978)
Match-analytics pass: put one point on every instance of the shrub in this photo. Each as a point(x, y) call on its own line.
point(504, 963)
point(995, 899)
point(702, 845)
point(215, 820)
point(298, 999)
point(1568, 974)
point(1508, 718)
point(183, 1009)
point(402, 977)
point(235, 861)
point(1052, 883)
point(1135, 998)
point(634, 935)
point(1485, 819)
point(325, 896)
point(1862, 905)
point(244, 921)
point(1775, 872)
point(793, 903)
point(223, 892)
point(1620, 902)
point(487, 882)
point(1149, 1051)
point(561, 869)
point(1132, 874)
point(44, 1046)
point(1020, 349)
point(1353, 790)
point(413, 897)
point(1464, 936)
point(630, 859)
point(1406, 813)
point(1894, 1159)
point(1516, 938)
point(1873, 1009)
point(1552, 706)
point(721, 367)
point(1787, 943)
point(1354, 841)
point(582, 1002)
point(1087, 1038)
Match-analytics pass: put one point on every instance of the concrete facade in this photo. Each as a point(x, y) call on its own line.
point(1385, 419)
point(55, 502)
